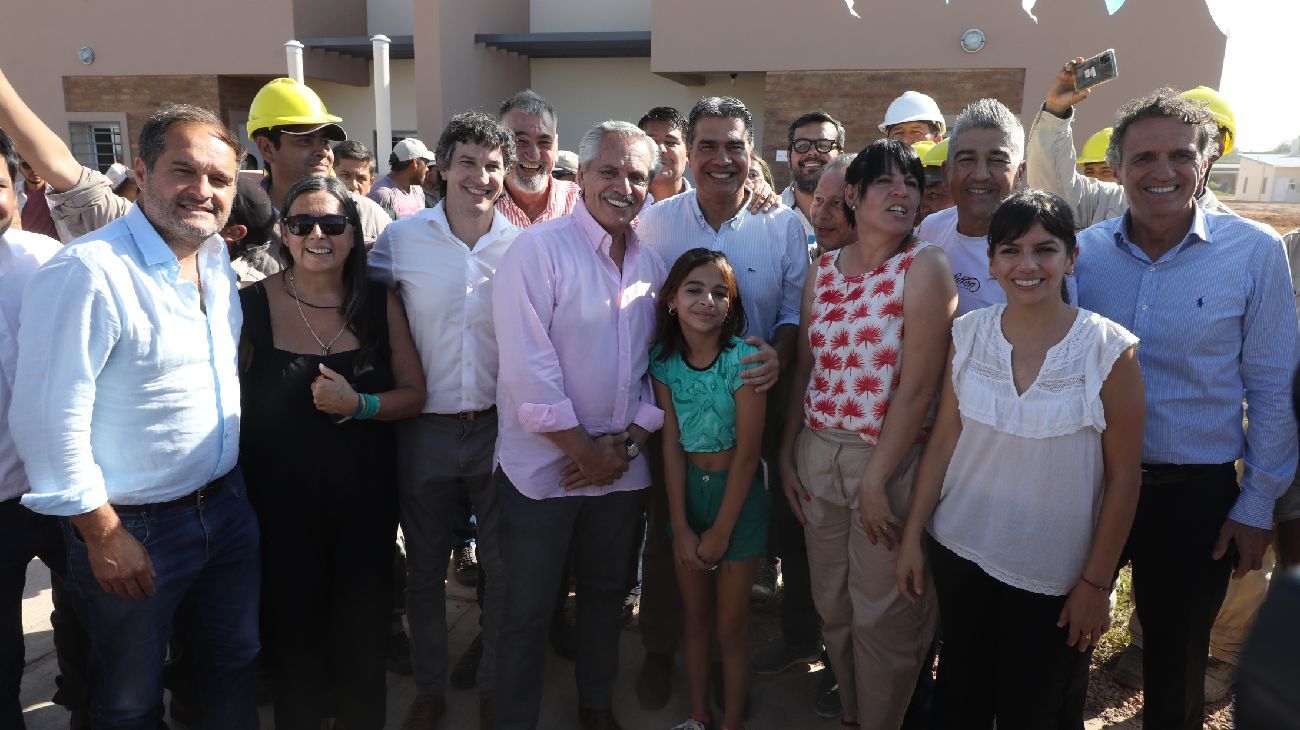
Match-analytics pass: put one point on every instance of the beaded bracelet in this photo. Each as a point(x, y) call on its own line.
point(368, 406)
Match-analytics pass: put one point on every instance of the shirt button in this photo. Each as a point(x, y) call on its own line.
point(1144, 306)
point(1151, 268)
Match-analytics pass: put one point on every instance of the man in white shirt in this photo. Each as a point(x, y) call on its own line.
point(25, 534)
point(814, 140)
point(126, 415)
point(442, 262)
point(985, 156)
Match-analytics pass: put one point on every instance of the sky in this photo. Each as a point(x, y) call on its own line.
point(1261, 68)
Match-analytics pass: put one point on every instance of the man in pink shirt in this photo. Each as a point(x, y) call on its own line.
point(574, 310)
point(400, 192)
point(533, 195)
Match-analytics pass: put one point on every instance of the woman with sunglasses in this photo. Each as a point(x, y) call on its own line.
point(327, 362)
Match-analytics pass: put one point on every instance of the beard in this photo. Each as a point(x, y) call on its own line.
point(173, 229)
point(805, 181)
point(530, 182)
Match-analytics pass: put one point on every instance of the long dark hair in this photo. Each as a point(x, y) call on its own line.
point(1018, 213)
point(668, 332)
point(356, 284)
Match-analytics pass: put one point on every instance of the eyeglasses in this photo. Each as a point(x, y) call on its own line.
point(801, 146)
point(330, 225)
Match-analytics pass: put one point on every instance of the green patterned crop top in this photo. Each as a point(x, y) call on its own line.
point(704, 399)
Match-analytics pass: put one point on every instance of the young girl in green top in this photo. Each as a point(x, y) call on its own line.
point(713, 426)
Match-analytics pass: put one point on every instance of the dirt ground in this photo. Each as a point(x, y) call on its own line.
point(1284, 217)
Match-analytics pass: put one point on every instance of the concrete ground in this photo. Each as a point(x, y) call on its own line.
point(781, 702)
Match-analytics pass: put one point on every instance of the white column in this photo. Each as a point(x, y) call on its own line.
point(293, 55)
point(382, 81)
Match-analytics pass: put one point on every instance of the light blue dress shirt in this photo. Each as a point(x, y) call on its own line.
point(767, 250)
point(1217, 322)
point(126, 392)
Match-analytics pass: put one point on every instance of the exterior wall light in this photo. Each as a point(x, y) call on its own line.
point(972, 41)
point(87, 55)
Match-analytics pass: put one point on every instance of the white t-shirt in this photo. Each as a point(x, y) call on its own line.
point(969, 258)
point(1024, 486)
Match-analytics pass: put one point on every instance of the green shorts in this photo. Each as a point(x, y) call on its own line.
point(704, 491)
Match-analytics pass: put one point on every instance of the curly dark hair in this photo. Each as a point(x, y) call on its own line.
point(473, 128)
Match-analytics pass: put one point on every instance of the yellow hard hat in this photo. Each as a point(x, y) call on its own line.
point(936, 155)
point(921, 147)
point(1220, 110)
point(284, 102)
point(1094, 150)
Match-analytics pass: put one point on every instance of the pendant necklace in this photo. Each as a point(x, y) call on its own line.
point(324, 347)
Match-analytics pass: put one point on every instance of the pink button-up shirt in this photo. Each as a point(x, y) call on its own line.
point(574, 339)
point(561, 197)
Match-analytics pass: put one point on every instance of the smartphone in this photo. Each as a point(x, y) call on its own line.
point(1096, 70)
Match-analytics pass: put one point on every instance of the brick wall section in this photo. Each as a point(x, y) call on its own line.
point(235, 93)
point(138, 96)
point(859, 100)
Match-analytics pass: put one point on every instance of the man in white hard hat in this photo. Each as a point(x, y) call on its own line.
point(400, 190)
point(913, 117)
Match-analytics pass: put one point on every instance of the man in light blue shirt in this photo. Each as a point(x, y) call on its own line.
point(126, 415)
point(1210, 297)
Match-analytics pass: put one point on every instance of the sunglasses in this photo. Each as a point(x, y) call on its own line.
point(802, 146)
point(330, 225)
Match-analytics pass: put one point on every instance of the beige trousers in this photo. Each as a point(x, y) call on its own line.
point(876, 639)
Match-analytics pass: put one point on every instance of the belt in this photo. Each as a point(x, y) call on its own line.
point(468, 415)
point(1156, 474)
point(193, 499)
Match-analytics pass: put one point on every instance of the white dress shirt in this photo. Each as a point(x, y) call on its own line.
point(126, 392)
point(21, 254)
point(768, 251)
point(447, 289)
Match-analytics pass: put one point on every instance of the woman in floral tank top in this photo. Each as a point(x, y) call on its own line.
point(851, 439)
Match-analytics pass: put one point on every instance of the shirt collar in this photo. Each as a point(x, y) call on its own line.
point(595, 234)
point(153, 249)
point(1200, 230)
point(437, 215)
point(734, 222)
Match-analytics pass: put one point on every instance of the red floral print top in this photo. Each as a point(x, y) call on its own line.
point(856, 334)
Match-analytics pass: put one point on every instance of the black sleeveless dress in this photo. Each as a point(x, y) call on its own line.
point(326, 499)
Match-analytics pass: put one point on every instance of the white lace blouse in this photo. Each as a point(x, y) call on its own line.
point(1024, 486)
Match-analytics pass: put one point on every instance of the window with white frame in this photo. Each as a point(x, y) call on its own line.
point(96, 144)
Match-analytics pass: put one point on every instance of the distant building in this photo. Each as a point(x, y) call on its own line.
point(1270, 178)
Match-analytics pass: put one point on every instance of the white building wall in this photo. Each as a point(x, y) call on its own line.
point(573, 16)
point(356, 104)
point(586, 92)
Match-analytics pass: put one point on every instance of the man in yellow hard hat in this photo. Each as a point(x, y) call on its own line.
point(936, 196)
point(293, 132)
point(1093, 157)
point(1051, 159)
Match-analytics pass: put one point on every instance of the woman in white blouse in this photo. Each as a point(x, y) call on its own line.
point(1028, 486)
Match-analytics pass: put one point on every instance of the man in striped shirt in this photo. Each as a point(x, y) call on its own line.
point(532, 194)
point(1210, 297)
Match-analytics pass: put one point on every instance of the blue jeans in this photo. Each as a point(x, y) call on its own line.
point(207, 578)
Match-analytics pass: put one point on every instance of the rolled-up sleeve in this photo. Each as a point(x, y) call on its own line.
point(68, 330)
point(86, 206)
point(523, 301)
point(795, 263)
point(1268, 363)
point(1050, 165)
point(648, 414)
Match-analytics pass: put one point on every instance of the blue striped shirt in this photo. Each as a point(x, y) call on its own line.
point(1217, 325)
point(768, 251)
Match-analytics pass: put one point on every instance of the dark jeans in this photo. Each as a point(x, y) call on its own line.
point(1177, 587)
point(800, 624)
point(535, 538)
point(205, 560)
point(24, 535)
point(1004, 658)
point(327, 588)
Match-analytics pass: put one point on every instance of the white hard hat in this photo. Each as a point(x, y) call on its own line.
point(912, 106)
